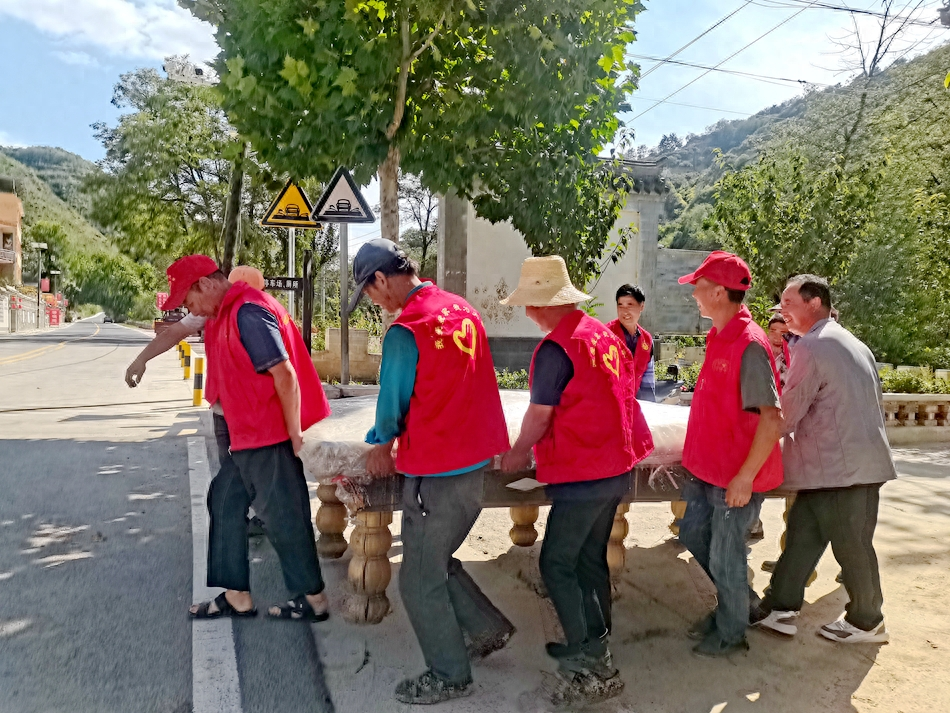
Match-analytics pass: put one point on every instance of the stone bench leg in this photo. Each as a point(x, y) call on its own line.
point(330, 522)
point(523, 534)
point(369, 571)
point(616, 552)
point(678, 508)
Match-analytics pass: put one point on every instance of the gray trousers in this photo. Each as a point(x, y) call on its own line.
point(441, 599)
point(845, 518)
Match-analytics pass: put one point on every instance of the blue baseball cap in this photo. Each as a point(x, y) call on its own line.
point(373, 255)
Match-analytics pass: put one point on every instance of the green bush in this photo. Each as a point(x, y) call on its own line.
point(689, 375)
point(512, 379)
point(912, 382)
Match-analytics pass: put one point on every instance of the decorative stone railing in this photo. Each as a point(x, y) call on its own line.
point(909, 418)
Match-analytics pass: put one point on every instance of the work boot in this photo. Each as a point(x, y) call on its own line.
point(429, 688)
point(481, 646)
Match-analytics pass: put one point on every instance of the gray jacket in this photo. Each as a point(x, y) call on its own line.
point(834, 420)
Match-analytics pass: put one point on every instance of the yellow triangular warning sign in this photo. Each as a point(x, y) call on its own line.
point(291, 209)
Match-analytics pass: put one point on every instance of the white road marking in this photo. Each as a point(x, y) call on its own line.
point(215, 684)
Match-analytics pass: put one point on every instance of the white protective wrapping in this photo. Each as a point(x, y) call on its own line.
point(336, 447)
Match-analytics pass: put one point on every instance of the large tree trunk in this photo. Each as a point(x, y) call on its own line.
point(232, 214)
point(389, 195)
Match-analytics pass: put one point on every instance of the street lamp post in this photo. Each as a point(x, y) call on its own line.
point(40, 247)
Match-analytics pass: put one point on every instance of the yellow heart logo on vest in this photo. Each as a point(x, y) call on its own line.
point(612, 360)
point(468, 327)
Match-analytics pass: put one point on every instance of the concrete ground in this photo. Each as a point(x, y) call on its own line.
point(661, 592)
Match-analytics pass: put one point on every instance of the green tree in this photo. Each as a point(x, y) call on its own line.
point(123, 287)
point(167, 175)
point(483, 98)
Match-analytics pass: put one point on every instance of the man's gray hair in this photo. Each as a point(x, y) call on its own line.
point(812, 286)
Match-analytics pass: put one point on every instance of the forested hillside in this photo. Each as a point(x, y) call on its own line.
point(849, 183)
point(61, 170)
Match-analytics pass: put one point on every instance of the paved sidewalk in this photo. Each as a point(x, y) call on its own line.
point(661, 593)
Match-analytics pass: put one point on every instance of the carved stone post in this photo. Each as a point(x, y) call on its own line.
point(678, 507)
point(523, 534)
point(369, 571)
point(330, 521)
point(616, 552)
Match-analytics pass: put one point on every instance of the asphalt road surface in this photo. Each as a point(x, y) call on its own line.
point(98, 484)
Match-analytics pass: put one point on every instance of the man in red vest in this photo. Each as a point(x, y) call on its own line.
point(731, 447)
point(587, 432)
point(630, 304)
point(439, 401)
point(261, 373)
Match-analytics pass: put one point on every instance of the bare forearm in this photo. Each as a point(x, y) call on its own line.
point(537, 421)
point(288, 391)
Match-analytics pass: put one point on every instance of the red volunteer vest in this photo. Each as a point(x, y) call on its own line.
point(719, 434)
point(598, 430)
point(251, 406)
point(455, 418)
point(641, 360)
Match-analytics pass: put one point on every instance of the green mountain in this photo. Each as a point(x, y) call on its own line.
point(815, 121)
point(61, 170)
point(43, 207)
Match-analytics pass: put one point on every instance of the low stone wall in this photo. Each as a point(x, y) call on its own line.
point(908, 418)
point(363, 365)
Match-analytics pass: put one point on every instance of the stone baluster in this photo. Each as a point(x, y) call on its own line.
point(891, 409)
point(927, 414)
point(678, 507)
point(330, 521)
point(523, 534)
point(907, 414)
point(369, 571)
point(616, 552)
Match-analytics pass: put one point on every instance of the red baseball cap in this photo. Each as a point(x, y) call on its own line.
point(724, 269)
point(182, 274)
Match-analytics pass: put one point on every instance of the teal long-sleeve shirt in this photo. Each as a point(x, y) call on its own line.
point(397, 380)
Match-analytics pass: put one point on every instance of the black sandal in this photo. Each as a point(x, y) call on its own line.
point(298, 609)
point(224, 609)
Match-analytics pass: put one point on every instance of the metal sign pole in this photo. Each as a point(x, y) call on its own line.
point(344, 303)
point(308, 299)
point(291, 271)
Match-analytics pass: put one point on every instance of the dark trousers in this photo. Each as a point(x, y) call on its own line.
point(574, 566)
point(845, 518)
point(715, 534)
point(441, 599)
point(271, 478)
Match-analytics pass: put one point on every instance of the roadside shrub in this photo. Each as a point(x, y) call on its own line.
point(689, 375)
point(512, 379)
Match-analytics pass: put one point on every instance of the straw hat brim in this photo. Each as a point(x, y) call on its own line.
point(544, 296)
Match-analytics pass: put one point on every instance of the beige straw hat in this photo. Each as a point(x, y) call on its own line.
point(544, 282)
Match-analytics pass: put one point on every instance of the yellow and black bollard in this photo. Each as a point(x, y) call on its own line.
point(181, 353)
point(199, 380)
point(187, 361)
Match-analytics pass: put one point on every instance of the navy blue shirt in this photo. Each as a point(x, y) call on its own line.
point(260, 335)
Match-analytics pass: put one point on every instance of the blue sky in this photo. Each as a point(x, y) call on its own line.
point(66, 57)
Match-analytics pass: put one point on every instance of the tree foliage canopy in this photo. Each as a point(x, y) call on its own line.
point(488, 98)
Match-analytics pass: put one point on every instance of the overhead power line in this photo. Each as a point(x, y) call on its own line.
point(843, 8)
point(751, 75)
point(719, 64)
point(698, 37)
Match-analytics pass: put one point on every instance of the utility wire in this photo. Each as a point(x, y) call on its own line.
point(698, 37)
point(684, 63)
point(843, 8)
point(719, 64)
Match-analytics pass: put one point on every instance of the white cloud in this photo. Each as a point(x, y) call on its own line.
point(10, 142)
point(83, 59)
point(151, 29)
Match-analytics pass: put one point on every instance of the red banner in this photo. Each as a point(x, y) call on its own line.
point(44, 285)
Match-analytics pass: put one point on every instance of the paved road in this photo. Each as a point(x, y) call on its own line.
point(96, 543)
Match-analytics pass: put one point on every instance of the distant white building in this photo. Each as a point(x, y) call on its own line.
point(482, 262)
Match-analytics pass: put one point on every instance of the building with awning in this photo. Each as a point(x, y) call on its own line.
point(11, 233)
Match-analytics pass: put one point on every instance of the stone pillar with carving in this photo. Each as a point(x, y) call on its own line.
point(523, 534)
point(369, 571)
point(330, 522)
point(616, 552)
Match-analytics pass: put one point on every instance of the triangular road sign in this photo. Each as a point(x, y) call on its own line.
point(342, 202)
point(291, 209)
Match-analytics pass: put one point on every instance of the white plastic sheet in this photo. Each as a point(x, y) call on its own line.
point(335, 446)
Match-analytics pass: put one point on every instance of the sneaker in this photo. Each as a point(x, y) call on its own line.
point(844, 633)
point(757, 531)
point(702, 628)
point(780, 622)
point(769, 565)
point(482, 646)
point(713, 647)
point(429, 688)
